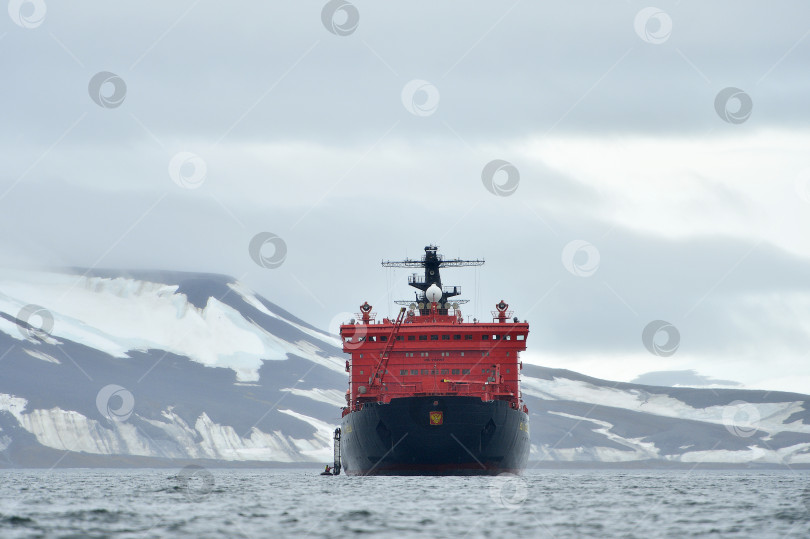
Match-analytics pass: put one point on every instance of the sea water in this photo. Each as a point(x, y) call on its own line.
point(225, 503)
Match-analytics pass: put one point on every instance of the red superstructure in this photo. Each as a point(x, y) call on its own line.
point(435, 353)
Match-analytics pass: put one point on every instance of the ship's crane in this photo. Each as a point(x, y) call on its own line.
point(385, 355)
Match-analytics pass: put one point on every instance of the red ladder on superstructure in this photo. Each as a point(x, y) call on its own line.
point(384, 356)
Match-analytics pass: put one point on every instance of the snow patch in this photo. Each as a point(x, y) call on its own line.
point(332, 397)
point(42, 355)
point(320, 448)
point(637, 448)
point(250, 298)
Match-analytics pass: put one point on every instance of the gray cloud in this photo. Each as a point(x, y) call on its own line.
point(570, 68)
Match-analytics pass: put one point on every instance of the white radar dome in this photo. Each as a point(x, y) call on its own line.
point(433, 294)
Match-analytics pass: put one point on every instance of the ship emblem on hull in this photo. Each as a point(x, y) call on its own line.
point(436, 418)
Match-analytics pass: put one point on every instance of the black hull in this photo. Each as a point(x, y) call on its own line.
point(474, 438)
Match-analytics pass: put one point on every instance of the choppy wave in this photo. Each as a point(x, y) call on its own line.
point(300, 503)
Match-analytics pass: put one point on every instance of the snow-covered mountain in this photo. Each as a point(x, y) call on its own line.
point(140, 367)
point(575, 417)
point(205, 370)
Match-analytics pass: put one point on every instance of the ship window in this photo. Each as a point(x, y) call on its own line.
point(411, 337)
point(399, 337)
point(521, 337)
point(445, 371)
point(467, 337)
point(462, 354)
point(383, 338)
point(372, 338)
point(434, 371)
point(507, 354)
point(403, 372)
point(456, 371)
point(456, 337)
point(422, 337)
point(445, 337)
point(508, 337)
point(425, 371)
point(465, 371)
point(483, 371)
point(434, 337)
point(361, 356)
point(484, 337)
point(496, 337)
point(361, 372)
point(507, 371)
point(414, 371)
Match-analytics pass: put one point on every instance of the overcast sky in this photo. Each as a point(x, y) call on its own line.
point(360, 131)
